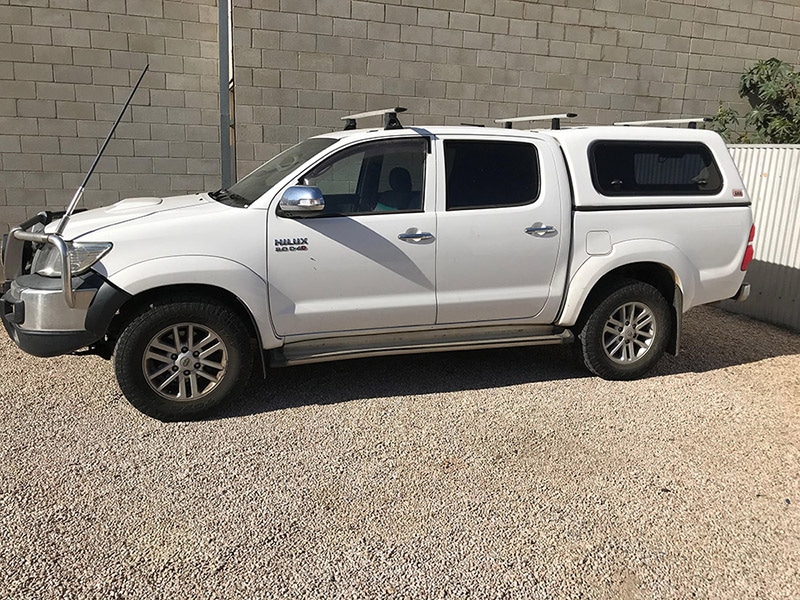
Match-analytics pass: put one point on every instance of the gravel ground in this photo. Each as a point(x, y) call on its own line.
point(492, 474)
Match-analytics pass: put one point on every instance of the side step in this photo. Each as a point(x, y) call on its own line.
point(441, 340)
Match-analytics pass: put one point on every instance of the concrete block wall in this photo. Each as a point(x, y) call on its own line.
point(302, 64)
point(66, 68)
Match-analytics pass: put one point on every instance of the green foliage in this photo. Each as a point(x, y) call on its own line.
point(725, 122)
point(773, 89)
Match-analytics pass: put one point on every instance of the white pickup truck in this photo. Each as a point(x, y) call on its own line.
point(391, 240)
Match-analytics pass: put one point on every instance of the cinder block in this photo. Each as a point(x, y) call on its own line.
point(333, 45)
point(37, 108)
point(445, 72)
point(315, 99)
point(107, 6)
point(481, 7)
point(304, 42)
point(183, 82)
point(403, 15)
point(30, 34)
point(393, 86)
point(129, 24)
point(302, 80)
point(383, 31)
point(465, 21)
point(479, 41)
point(22, 162)
point(476, 74)
point(48, 16)
point(15, 15)
point(42, 91)
point(200, 31)
point(367, 48)
point(414, 34)
point(17, 52)
point(433, 18)
point(72, 74)
point(490, 58)
point(186, 149)
point(368, 11)
point(508, 44)
point(316, 24)
point(10, 143)
point(33, 72)
point(448, 38)
point(349, 28)
point(151, 149)
point(184, 116)
point(170, 165)
point(333, 8)
point(367, 84)
point(58, 127)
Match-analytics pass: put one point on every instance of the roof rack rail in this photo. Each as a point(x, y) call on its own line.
point(555, 120)
point(691, 122)
point(389, 118)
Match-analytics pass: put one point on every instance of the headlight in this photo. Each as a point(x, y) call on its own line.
point(82, 255)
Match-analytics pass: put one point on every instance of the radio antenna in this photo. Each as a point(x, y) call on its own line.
point(79, 192)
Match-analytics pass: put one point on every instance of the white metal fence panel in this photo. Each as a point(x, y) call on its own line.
point(771, 174)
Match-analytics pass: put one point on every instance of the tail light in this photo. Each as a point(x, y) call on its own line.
point(748, 253)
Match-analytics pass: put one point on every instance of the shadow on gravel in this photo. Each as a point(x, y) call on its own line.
point(712, 339)
point(408, 375)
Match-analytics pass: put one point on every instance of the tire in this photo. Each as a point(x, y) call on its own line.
point(179, 379)
point(626, 333)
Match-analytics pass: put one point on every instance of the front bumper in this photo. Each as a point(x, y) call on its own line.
point(39, 321)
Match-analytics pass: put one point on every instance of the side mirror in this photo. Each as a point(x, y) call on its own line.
point(301, 199)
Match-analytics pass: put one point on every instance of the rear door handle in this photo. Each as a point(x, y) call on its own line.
point(415, 235)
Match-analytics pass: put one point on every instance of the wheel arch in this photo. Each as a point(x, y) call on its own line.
point(660, 276)
point(135, 304)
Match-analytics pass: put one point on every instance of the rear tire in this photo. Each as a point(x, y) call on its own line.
point(177, 359)
point(626, 333)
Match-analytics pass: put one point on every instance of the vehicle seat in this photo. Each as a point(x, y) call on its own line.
point(400, 195)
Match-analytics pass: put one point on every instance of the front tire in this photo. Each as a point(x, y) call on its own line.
point(177, 359)
point(626, 333)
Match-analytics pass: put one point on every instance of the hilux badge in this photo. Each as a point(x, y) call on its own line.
point(291, 244)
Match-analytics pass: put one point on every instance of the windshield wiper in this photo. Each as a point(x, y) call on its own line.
point(223, 194)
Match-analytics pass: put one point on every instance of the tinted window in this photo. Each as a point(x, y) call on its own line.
point(486, 174)
point(653, 169)
point(375, 177)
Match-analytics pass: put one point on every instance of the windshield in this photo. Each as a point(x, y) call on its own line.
point(249, 189)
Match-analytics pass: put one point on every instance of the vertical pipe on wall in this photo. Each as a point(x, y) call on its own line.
point(224, 94)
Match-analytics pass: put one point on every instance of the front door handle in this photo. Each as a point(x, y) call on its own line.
point(540, 229)
point(415, 235)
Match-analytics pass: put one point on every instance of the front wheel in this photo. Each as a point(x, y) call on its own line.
point(626, 333)
point(178, 359)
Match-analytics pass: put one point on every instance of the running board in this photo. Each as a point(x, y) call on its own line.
point(329, 349)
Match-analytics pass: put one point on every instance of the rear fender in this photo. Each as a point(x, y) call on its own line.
point(594, 268)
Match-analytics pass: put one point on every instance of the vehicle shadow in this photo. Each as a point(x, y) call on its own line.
point(712, 339)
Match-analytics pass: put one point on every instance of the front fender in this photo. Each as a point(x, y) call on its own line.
point(234, 277)
point(594, 268)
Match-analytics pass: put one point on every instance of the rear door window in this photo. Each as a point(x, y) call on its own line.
point(624, 168)
point(490, 174)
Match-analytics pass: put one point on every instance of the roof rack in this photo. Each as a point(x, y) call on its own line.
point(555, 120)
point(691, 122)
point(389, 118)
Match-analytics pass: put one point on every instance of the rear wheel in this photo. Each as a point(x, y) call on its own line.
point(178, 359)
point(627, 331)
